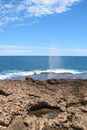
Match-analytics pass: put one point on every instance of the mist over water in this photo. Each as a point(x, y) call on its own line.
point(53, 65)
point(54, 60)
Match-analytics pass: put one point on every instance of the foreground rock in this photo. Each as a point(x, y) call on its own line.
point(43, 105)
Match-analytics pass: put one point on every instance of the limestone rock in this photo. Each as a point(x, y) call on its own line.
point(43, 105)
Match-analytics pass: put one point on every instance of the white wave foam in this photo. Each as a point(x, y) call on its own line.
point(58, 71)
point(12, 74)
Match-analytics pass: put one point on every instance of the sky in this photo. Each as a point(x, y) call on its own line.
point(43, 27)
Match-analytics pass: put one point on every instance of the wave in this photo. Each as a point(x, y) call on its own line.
point(15, 74)
point(60, 71)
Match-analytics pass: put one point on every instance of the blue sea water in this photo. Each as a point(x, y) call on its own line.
point(13, 67)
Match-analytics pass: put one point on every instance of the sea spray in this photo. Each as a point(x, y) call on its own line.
point(53, 61)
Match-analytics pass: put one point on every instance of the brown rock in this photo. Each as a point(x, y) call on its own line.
point(43, 105)
point(28, 120)
point(17, 124)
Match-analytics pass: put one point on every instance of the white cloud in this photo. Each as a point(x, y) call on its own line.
point(26, 24)
point(39, 50)
point(18, 10)
point(54, 49)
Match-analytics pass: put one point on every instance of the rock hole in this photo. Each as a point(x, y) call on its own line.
point(43, 109)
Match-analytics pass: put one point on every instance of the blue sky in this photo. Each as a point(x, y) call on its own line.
point(43, 27)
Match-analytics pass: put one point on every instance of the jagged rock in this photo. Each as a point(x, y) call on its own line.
point(29, 119)
point(5, 120)
point(43, 105)
point(29, 79)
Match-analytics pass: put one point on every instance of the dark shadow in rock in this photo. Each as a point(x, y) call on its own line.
point(3, 93)
point(77, 128)
point(83, 102)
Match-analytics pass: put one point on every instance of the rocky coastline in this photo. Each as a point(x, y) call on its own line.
point(54, 104)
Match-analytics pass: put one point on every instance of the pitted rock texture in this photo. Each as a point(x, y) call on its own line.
point(43, 105)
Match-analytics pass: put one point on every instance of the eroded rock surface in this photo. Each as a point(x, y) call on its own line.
point(43, 105)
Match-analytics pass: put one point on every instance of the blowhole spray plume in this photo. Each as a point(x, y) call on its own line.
point(53, 61)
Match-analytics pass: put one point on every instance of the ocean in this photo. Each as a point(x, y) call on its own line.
point(43, 67)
